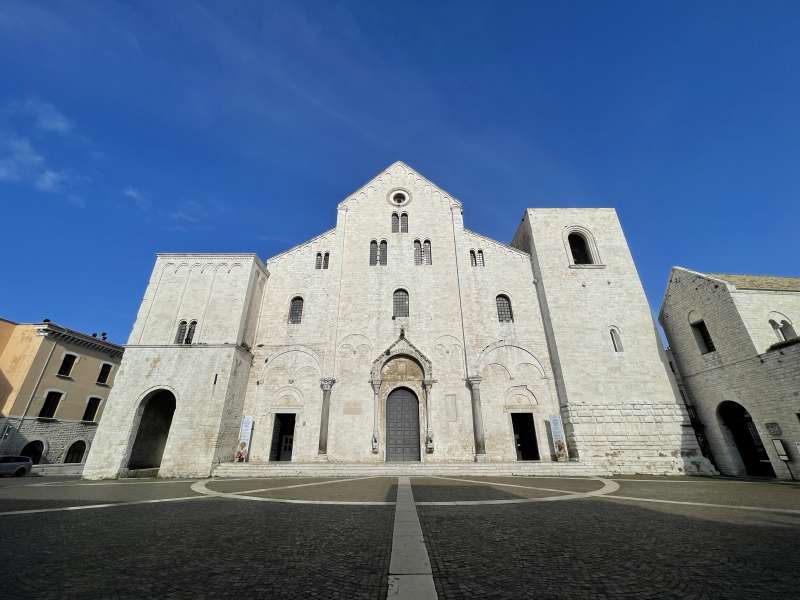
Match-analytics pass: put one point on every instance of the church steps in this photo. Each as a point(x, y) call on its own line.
point(235, 470)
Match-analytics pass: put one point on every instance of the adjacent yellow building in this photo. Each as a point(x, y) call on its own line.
point(54, 383)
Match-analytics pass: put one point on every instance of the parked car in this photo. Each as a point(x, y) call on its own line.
point(15, 465)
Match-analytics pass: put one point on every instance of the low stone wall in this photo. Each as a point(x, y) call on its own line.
point(58, 470)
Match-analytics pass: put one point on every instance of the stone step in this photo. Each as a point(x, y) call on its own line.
point(288, 469)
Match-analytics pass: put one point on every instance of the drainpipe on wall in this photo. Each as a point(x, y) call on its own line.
point(38, 380)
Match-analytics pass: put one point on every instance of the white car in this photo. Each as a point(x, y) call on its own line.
point(15, 465)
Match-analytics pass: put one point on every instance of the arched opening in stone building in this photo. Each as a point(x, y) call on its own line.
point(75, 452)
point(34, 451)
point(151, 437)
point(746, 439)
point(402, 426)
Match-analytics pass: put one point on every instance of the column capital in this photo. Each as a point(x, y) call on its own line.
point(376, 385)
point(326, 383)
point(474, 381)
point(428, 383)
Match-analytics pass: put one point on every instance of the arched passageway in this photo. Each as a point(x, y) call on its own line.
point(34, 451)
point(151, 438)
point(745, 436)
point(75, 452)
point(402, 426)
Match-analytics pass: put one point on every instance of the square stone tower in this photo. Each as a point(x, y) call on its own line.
point(177, 401)
point(619, 406)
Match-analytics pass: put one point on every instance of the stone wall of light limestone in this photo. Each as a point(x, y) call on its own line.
point(619, 408)
point(208, 378)
point(207, 382)
point(347, 322)
point(767, 384)
point(757, 307)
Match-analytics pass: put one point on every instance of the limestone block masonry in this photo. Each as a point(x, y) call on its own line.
point(492, 344)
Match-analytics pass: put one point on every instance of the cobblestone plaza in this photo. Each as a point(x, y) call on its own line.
point(420, 537)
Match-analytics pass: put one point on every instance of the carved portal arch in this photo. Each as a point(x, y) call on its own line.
point(402, 347)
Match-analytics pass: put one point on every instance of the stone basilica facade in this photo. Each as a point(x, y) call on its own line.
point(400, 336)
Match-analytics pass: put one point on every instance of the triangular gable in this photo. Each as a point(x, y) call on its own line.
point(400, 175)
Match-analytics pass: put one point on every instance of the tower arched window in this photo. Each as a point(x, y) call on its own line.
point(417, 252)
point(395, 223)
point(296, 310)
point(579, 246)
point(318, 263)
point(480, 258)
point(427, 258)
point(326, 260)
point(784, 330)
point(180, 335)
point(473, 262)
point(616, 340)
point(373, 252)
point(384, 252)
point(400, 303)
point(404, 223)
point(190, 332)
point(504, 312)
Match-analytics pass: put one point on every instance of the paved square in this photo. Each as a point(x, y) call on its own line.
point(369, 537)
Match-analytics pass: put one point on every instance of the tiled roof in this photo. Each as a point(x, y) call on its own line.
point(761, 282)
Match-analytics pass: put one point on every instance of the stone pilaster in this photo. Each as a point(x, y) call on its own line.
point(376, 389)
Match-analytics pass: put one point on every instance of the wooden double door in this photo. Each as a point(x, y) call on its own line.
point(402, 426)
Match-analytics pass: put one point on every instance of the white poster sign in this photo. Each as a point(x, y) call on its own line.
point(245, 433)
point(559, 439)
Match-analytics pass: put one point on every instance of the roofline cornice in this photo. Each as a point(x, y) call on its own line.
point(56, 332)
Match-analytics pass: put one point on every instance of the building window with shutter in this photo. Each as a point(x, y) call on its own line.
point(480, 258)
point(67, 363)
point(326, 260)
point(180, 335)
point(50, 405)
point(404, 223)
point(92, 405)
point(395, 223)
point(318, 262)
point(417, 252)
point(473, 261)
point(383, 253)
point(105, 371)
point(427, 258)
point(190, 332)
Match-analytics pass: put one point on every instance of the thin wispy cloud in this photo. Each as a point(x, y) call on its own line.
point(46, 116)
point(138, 198)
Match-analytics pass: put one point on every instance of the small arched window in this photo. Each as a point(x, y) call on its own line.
point(190, 332)
point(417, 252)
point(296, 310)
point(580, 249)
point(384, 252)
point(480, 258)
point(180, 335)
point(75, 452)
point(616, 340)
point(404, 223)
point(318, 263)
point(395, 223)
point(473, 262)
point(427, 258)
point(326, 260)
point(373, 252)
point(504, 312)
point(400, 303)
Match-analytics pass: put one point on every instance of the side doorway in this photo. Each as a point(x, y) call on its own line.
point(282, 438)
point(525, 436)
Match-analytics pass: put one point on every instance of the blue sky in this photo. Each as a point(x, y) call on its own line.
point(130, 128)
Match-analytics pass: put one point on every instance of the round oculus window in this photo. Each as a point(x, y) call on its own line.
point(399, 197)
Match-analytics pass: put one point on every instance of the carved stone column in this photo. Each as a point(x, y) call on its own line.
point(376, 389)
point(426, 387)
point(325, 384)
point(477, 416)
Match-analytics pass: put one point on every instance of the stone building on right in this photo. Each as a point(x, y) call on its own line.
point(736, 356)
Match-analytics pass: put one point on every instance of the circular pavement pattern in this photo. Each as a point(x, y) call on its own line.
point(362, 491)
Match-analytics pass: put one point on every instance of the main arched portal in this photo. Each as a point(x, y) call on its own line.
point(402, 426)
point(151, 438)
point(745, 435)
